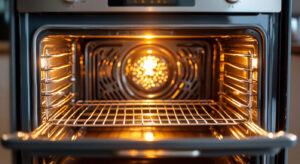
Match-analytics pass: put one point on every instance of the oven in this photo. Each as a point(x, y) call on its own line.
point(150, 81)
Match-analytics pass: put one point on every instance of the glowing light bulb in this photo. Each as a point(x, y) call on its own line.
point(149, 136)
point(149, 65)
point(148, 72)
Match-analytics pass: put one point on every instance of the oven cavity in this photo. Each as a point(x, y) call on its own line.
point(149, 80)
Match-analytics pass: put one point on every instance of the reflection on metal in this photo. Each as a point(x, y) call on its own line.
point(149, 136)
point(145, 113)
point(148, 36)
point(158, 153)
point(238, 78)
point(243, 159)
point(56, 63)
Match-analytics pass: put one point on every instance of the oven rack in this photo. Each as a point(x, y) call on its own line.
point(145, 113)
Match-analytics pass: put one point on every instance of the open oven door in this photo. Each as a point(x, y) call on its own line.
point(245, 138)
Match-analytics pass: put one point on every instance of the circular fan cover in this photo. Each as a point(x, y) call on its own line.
point(147, 71)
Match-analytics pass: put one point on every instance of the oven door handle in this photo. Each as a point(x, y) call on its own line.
point(158, 153)
point(270, 144)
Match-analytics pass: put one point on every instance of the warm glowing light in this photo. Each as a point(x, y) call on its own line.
point(149, 64)
point(236, 92)
point(74, 137)
point(142, 153)
point(149, 72)
point(149, 136)
point(254, 63)
point(149, 114)
point(235, 134)
point(43, 63)
point(149, 36)
point(133, 153)
point(152, 153)
point(155, 153)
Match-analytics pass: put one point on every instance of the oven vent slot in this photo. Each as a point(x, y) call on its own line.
point(57, 73)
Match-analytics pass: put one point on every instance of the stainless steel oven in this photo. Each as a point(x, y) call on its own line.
point(150, 81)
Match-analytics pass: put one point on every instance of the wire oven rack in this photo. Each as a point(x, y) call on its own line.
point(145, 113)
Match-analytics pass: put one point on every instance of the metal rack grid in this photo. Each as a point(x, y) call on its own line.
point(145, 113)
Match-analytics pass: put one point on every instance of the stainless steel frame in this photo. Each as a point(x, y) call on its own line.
point(275, 76)
point(246, 138)
point(215, 6)
point(257, 145)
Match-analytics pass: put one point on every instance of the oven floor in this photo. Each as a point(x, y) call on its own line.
point(154, 133)
point(168, 133)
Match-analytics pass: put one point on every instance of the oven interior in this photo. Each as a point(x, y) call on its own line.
point(149, 84)
point(149, 78)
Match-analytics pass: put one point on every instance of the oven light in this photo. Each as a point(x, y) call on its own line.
point(43, 63)
point(149, 65)
point(149, 72)
point(236, 92)
point(254, 63)
point(148, 36)
point(158, 153)
point(149, 136)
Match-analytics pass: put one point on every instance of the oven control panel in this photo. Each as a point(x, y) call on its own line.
point(232, 1)
point(157, 3)
point(214, 6)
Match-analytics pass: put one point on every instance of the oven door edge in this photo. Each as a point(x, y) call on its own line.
point(270, 144)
